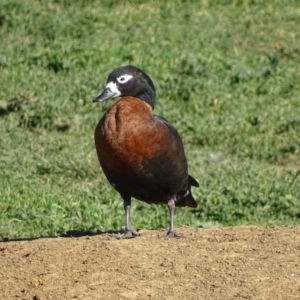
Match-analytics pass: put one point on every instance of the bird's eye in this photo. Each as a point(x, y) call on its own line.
point(124, 78)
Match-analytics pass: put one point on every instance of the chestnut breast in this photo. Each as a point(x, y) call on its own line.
point(141, 154)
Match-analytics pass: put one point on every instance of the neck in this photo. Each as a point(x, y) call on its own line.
point(148, 97)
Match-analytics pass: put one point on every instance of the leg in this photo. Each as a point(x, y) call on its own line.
point(129, 231)
point(171, 207)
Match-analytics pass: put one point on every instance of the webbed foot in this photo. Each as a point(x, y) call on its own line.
point(128, 234)
point(172, 234)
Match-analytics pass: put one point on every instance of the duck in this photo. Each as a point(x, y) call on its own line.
point(140, 153)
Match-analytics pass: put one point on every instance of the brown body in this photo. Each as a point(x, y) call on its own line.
point(142, 154)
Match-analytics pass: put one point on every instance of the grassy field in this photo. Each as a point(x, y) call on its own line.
point(227, 76)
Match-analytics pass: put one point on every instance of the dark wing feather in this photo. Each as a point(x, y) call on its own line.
point(193, 181)
point(186, 180)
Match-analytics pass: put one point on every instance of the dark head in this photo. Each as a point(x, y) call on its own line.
point(128, 81)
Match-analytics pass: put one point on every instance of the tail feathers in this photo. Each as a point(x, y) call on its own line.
point(188, 199)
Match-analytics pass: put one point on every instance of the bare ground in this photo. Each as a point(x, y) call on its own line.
point(221, 263)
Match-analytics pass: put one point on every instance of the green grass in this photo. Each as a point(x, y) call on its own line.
point(227, 76)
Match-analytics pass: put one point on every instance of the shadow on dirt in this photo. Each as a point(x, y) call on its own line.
point(68, 234)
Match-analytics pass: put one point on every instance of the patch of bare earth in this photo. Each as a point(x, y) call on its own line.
point(221, 263)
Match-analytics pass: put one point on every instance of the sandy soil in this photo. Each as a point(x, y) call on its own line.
point(221, 263)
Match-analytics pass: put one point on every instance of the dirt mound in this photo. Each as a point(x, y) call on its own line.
point(222, 263)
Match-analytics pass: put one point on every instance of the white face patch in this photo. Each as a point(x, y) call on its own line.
point(124, 78)
point(113, 87)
